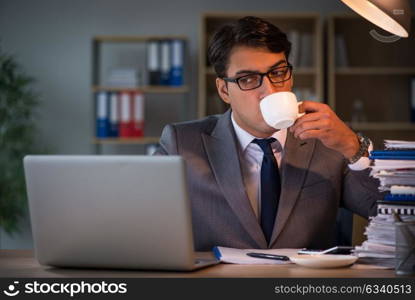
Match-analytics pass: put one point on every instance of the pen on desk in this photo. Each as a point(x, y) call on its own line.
point(268, 256)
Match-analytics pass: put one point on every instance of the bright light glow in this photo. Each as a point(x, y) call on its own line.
point(375, 15)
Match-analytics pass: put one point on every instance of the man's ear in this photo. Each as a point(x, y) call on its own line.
point(223, 90)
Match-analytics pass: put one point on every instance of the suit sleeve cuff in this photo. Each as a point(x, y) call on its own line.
point(363, 163)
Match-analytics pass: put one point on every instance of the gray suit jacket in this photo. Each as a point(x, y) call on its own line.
point(315, 182)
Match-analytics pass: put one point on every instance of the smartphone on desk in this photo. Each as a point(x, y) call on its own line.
point(334, 250)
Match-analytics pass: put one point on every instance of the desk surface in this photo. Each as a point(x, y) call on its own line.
point(21, 263)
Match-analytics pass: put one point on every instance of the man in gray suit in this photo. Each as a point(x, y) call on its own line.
point(316, 166)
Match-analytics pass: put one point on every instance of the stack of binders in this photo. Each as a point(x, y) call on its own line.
point(119, 114)
point(165, 60)
point(395, 169)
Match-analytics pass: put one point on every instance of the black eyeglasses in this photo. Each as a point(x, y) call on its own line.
point(254, 80)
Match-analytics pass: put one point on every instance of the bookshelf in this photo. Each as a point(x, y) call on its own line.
point(308, 76)
point(155, 89)
point(112, 141)
point(160, 100)
point(368, 80)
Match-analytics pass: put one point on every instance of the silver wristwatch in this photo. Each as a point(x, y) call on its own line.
point(363, 149)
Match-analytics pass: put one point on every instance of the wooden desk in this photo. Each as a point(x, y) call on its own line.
point(21, 263)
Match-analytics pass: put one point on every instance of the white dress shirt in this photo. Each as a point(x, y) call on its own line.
point(252, 156)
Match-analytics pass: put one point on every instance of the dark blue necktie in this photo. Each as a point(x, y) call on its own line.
point(270, 187)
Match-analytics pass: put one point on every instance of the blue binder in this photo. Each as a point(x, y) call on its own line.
point(393, 154)
point(113, 115)
point(102, 115)
point(177, 54)
point(400, 197)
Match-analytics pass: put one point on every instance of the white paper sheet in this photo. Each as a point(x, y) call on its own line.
point(238, 256)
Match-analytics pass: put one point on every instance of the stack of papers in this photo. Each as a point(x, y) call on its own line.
point(395, 144)
point(395, 180)
point(393, 166)
point(127, 78)
point(395, 169)
point(379, 248)
point(403, 190)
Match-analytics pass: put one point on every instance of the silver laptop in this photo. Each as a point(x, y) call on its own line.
point(111, 212)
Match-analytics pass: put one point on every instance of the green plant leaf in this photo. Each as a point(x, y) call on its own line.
point(17, 139)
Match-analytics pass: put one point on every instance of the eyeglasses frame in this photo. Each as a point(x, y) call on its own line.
point(236, 79)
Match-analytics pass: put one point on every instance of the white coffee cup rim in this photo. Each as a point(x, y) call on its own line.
point(283, 121)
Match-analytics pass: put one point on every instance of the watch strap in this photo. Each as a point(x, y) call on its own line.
point(364, 143)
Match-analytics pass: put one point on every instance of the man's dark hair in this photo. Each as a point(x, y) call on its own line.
point(248, 31)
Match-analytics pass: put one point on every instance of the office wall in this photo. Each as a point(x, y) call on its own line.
point(52, 41)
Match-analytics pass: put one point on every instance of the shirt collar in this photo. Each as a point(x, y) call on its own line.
point(245, 138)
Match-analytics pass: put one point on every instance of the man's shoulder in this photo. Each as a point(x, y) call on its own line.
point(204, 125)
point(177, 137)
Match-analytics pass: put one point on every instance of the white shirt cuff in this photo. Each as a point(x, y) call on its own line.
point(363, 162)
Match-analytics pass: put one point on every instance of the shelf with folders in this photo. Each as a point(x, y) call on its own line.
point(119, 116)
point(135, 39)
point(149, 89)
point(305, 32)
point(371, 82)
point(140, 140)
point(131, 70)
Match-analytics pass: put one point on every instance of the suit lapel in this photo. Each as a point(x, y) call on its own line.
point(223, 155)
point(294, 166)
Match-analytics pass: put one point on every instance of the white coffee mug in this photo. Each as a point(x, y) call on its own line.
point(280, 110)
